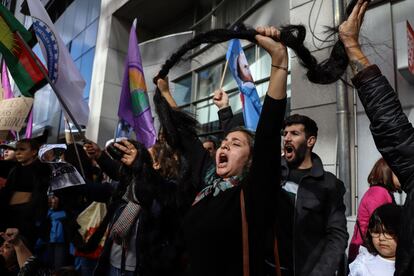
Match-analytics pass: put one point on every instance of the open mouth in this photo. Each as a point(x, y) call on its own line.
point(289, 151)
point(222, 160)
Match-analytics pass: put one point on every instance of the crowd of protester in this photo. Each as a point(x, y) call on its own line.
point(204, 207)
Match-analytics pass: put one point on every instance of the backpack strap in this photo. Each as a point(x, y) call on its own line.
point(277, 260)
point(245, 236)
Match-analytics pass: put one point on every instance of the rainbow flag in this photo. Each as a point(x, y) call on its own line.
point(134, 107)
point(22, 66)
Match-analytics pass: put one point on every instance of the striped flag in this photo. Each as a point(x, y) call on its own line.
point(239, 68)
point(62, 70)
point(134, 105)
point(23, 68)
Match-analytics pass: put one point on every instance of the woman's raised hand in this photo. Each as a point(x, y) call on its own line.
point(220, 98)
point(268, 38)
point(130, 152)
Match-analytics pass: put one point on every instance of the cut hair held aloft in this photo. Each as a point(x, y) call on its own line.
point(292, 36)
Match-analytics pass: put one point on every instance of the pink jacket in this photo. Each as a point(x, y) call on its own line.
point(372, 199)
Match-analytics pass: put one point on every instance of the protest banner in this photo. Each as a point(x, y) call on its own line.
point(13, 113)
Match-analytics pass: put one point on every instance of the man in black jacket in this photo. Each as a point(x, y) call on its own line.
point(392, 132)
point(310, 223)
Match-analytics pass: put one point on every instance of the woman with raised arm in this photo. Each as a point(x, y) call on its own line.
point(247, 173)
point(392, 132)
point(226, 225)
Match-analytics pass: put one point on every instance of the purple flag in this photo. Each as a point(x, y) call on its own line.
point(134, 105)
point(7, 94)
point(29, 126)
point(5, 83)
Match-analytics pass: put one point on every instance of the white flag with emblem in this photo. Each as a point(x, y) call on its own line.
point(62, 69)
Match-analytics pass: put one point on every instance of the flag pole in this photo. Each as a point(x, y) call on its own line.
point(77, 153)
point(54, 88)
point(224, 74)
point(116, 129)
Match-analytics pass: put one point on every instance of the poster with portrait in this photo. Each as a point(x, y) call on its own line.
point(239, 68)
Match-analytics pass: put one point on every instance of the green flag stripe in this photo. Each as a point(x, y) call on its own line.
point(20, 75)
point(14, 24)
point(139, 100)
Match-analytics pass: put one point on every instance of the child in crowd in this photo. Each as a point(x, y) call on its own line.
point(382, 184)
point(378, 258)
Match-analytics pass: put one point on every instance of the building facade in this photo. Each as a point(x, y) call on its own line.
point(96, 32)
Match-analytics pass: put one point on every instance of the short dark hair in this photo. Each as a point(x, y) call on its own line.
point(34, 144)
point(385, 219)
point(211, 140)
point(310, 126)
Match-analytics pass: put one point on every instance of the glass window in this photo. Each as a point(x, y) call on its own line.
point(86, 71)
point(235, 102)
point(208, 80)
point(182, 90)
point(80, 16)
point(90, 36)
point(68, 27)
point(263, 64)
point(206, 112)
point(262, 90)
point(93, 10)
point(77, 44)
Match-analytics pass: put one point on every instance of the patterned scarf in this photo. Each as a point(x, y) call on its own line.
point(123, 225)
point(217, 185)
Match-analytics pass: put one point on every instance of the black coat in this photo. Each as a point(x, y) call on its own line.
point(319, 225)
point(159, 249)
point(213, 227)
point(320, 236)
point(394, 137)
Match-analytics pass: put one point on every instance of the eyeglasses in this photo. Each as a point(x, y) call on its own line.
point(386, 235)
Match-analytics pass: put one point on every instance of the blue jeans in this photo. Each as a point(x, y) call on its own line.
point(113, 271)
point(85, 266)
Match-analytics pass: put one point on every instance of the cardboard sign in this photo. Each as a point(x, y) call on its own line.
point(410, 41)
point(13, 113)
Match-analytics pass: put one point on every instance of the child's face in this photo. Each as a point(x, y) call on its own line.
point(25, 154)
point(385, 244)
